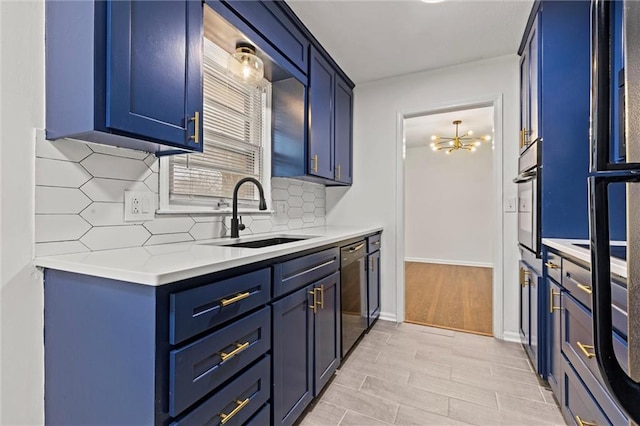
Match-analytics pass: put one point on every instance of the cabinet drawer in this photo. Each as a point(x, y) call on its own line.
point(373, 243)
point(198, 368)
point(201, 308)
point(554, 266)
point(578, 403)
point(293, 274)
point(261, 418)
point(240, 399)
point(270, 21)
point(577, 345)
point(577, 281)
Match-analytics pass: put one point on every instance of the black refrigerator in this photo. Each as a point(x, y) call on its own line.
point(615, 166)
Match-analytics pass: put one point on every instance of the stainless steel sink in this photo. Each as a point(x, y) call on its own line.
point(266, 242)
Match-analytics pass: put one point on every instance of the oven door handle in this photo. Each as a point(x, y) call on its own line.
point(526, 176)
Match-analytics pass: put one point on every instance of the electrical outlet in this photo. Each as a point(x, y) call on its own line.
point(139, 205)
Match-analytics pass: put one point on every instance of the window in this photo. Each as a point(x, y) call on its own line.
point(236, 143)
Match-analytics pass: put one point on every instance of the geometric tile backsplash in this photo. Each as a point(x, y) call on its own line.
point(79, 202)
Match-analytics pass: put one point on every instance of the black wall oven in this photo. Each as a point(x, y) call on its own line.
point(528, 181)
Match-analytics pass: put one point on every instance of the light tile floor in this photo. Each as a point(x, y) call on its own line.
point(405, 374)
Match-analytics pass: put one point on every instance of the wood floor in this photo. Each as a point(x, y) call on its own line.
point(449, 296)
point(406, 374)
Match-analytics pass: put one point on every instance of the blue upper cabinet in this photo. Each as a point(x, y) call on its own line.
point(343, 131)
point(125, 73)
point(321, 86)
point(330, 122)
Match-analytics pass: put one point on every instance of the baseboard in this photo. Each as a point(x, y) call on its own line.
point(449, 262)
point(386, 316)
point(511, 336)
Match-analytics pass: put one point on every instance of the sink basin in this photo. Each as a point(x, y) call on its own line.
point(255, 243)
point(263, 243)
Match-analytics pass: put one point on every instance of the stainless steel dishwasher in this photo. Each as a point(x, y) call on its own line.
point(353, 284)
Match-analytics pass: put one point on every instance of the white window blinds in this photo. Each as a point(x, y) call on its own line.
point(234, 135)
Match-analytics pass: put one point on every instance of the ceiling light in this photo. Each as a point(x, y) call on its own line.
point(432, 1)
point(247, 65)
point(456, 142)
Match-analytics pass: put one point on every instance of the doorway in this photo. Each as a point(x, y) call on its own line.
point(449, 218)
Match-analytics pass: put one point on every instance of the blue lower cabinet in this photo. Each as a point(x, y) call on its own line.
point(327, 331)
point(373, 288)
point(306, 346)
point(236, 402)
point(292, 353)
point(577, 403)
point(554, 340)
point(198, 368)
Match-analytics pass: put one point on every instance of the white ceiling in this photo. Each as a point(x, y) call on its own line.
point(418, 130)
point(375, 39)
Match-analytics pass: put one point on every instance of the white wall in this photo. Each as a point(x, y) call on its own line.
point(449, 206)
point(22, 110)
point(373, 197)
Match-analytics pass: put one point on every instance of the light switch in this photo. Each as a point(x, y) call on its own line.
point(510, 204)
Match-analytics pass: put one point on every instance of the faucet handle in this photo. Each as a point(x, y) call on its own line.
point(241, 226)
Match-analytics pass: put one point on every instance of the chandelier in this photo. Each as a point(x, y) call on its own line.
point(466, 141)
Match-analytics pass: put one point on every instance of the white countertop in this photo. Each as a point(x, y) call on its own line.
point(166, 263)
point(618, 266)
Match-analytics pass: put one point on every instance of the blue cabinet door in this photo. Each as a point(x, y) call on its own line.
point(525, 335)
point(343, 132)
point(327, 331)
point(554, 356)
point(154, 70)
point(292, 352)
point(321, 86)
point(373, 287)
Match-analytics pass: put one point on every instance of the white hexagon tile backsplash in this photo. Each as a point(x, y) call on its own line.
point(79, 202)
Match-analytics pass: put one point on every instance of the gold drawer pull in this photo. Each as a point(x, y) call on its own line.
point(237, 298)
point(315, 301)
point(321, 296)
point(551, 307)
point(376, 243)
point(585, 350)
point(584, 422)
point(585, 288)
point(196, 136)
point(315, 163)
point(239, 348)
point(226, 417)
point(339, 174)
point(551, 265)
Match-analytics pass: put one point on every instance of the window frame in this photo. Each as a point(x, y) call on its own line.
point(168, 206)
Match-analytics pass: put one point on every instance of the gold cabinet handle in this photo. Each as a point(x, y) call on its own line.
point(585, 350)
point(239, 348)
point(585, 288)
point(226, 417)
point(372, 266)
point(237, 298)
point(339, 172)
point(523, 276)
point(551, 307)
point(314, 306)
point(584, 422)
point(315, 163)
point(376, 243)
point(321, 296)
point(551, 265)
point(196, 135)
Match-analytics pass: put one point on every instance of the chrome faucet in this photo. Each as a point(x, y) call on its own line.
point(236, 225)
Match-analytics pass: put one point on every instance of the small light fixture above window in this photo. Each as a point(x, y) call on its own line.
point(247, 65)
